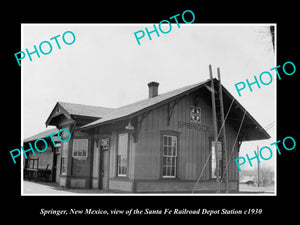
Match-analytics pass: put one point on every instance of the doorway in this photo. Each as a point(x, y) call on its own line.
point(104, 163)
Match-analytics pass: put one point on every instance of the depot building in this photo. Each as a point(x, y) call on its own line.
point(159, 144)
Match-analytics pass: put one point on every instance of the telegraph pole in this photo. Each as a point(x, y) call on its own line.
point(223, 130)
point(213, 100)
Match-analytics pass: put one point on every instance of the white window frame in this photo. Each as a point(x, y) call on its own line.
point(169, 156)
point(63, 164)
point(83, 146)
point(118, 155)
point(213, 159)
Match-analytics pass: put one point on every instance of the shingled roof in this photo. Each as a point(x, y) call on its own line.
point(73, 109)
point(141, 105)
point(253, 130)
point(43, 135)
point(85, 110)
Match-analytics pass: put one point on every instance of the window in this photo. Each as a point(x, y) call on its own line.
point(122, 156)
point(195, 114)
point(64, 158)
point(169, 156)
point(80, 148)
point(79, 163)
point(33, 163)
point(63, 165)
point(213, 160)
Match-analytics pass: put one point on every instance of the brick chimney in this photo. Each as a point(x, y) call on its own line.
point(153, 89)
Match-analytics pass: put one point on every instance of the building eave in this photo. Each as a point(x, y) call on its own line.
point(253, 129)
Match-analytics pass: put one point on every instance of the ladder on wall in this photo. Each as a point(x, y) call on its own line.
point(219, 132)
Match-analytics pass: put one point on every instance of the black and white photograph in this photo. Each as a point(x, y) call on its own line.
point(148, 116)
point(150, 113)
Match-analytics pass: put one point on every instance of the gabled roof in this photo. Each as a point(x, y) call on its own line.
point(43, 135)
point(140, 105)
point(251, 129)
point(85, 110)
point(72, 109)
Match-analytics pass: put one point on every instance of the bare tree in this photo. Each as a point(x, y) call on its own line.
point(272, 29)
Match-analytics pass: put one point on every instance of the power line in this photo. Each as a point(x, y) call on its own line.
point(227, 163)
point(270, 124)
point(270, 127)
point(211, 150)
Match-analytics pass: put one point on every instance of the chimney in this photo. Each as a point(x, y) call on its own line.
point(153, 89)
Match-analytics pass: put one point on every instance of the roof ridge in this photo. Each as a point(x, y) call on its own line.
point(144, 103)
point(136, 102)
point(60, 102)
point(160, 95)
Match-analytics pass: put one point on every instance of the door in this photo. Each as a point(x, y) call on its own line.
point(104, 163)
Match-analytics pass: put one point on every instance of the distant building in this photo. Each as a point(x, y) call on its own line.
point(248, 180)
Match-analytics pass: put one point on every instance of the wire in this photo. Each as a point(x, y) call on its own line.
point(271, 124)
point(211, 151)
point(270, 127)
point(233, 146)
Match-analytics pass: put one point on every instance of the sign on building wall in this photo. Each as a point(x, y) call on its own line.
point(105, 143)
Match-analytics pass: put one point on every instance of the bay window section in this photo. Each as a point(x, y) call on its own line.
point(79, 156)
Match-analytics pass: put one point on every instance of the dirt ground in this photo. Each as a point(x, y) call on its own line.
point(52, 188)
point(44, 188)
point(252, 188)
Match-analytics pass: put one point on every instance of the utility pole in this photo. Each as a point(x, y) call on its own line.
point(223, 130)
point(213, 100)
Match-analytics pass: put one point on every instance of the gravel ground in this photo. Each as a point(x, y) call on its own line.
point(53, 188)
point(43, 188)
point(253, 188)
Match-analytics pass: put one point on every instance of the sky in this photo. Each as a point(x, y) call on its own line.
point(106, 67)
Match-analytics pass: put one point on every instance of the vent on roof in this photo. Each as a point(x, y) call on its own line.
point(153, 89)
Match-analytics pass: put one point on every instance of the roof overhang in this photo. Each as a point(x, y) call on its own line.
point(57, 113)
point(250, 130)
point(42, 135)
point(82, 114)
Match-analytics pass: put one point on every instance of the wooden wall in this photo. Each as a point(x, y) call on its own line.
point(194, 146)
point(145, 156)
point(232, 153)
point(181, 186)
